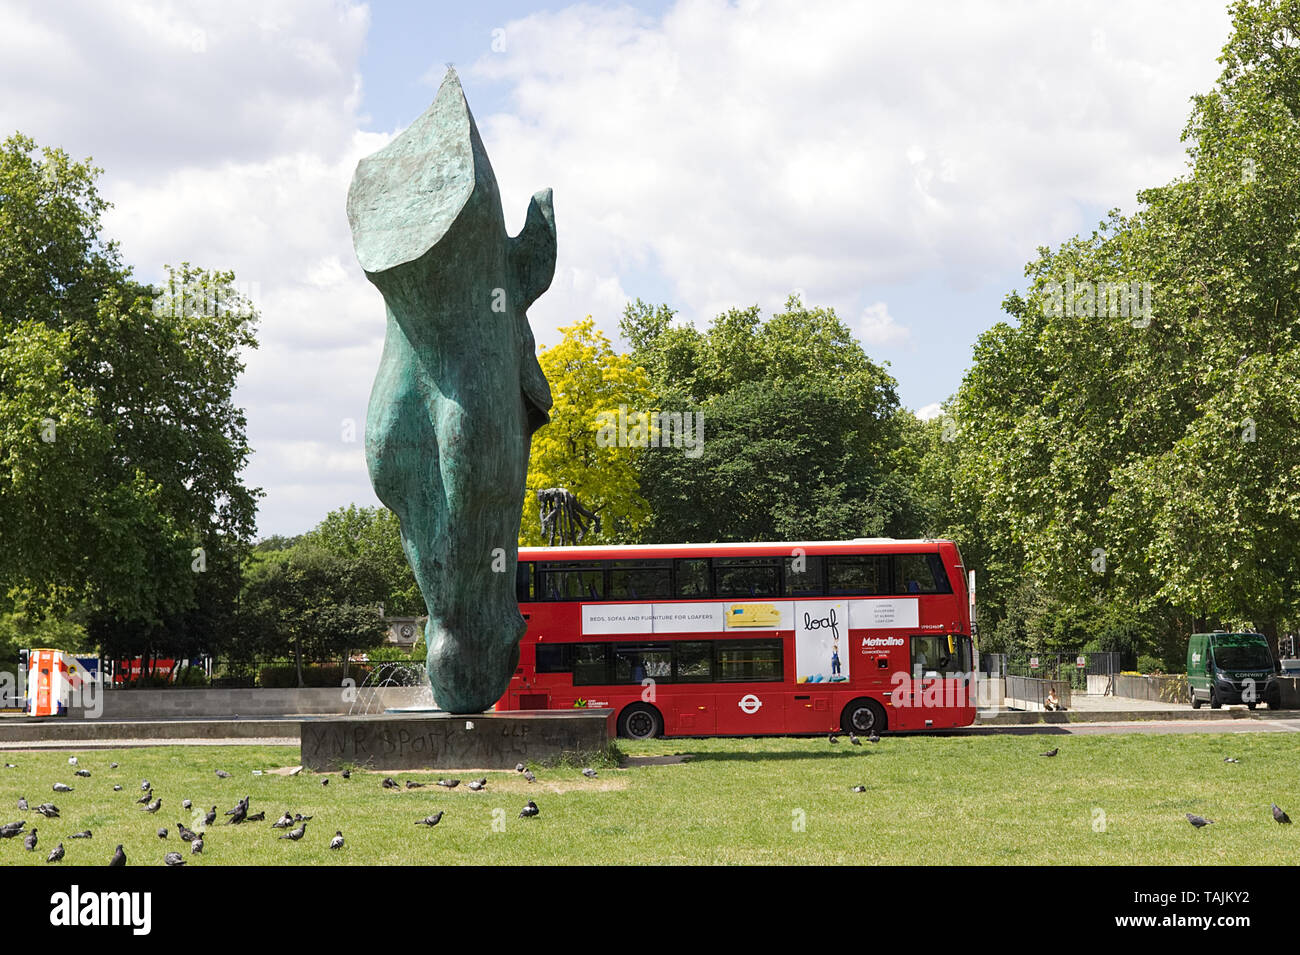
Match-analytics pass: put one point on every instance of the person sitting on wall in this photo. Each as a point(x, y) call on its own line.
point(1052, 703)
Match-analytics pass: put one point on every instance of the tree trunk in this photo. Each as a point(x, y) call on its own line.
point(297, 655)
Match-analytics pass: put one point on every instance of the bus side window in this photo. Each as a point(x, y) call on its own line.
point(692, 575)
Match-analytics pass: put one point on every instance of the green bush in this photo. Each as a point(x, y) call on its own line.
point(192, 676)
point(1149, 664)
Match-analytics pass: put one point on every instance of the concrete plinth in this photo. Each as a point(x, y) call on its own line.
point(436, 740)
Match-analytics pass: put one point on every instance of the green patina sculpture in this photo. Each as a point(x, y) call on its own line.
point(459, 392)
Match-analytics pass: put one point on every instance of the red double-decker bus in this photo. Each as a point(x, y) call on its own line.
point(854, 636)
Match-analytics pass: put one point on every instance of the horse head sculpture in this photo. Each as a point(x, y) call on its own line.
point(459, 391)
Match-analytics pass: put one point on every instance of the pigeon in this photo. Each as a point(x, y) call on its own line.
point(30, 841)
point(859, 789)
point(117, 788)
point(1280, 816)
point(873, 738)
point(296, 834)
point(56, 854)
point(144, 800)
point(528, 775)
point(22, 803)
point(72, 761)
point(347, 774)
point(154, 806)
point(337, 841)
point(62, 788)
point(189, 835)
point(431, 821)
point(237, 815)
point(520, 767)
point(9, 830)
point(162, 833)
point(144, 786)
point(414, 785)
point(222, 774)
point(48, 810)
point(1198, 821)
point(10, 766)
point(390, 783)
point(325, 781)
point(186, 804)
point(83, 834)
point(854, 740)
point(284, 822)
point(477, 784)
point(449, 783)
point(1229, 759)
point(589, 773)
point(529, 811)
point(112, 765)
point(833, 738)
point(83, 773)
point(241, 805)
point(174, 858)
point(211, 817)
point(119, 857)
point(1051, 752)
point(299, 817)
point(196, 846)
point(257, 817)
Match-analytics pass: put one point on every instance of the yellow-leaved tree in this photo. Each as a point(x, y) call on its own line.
point(590, 385)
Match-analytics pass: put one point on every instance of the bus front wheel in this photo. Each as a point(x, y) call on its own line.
point(863, 716)
point(640, 721)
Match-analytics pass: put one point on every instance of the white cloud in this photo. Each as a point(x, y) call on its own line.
point(877, 327)
point(930, 411)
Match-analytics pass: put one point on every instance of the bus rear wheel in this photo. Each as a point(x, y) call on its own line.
point(640, 721)
point(863, 716)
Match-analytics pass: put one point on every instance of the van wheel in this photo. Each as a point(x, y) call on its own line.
point(1215, 702)
point(1196, 703)
point(640, 721)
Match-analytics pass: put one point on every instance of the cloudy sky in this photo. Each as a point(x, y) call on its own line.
point(898, 161)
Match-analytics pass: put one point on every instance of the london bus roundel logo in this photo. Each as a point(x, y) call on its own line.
point(750, 704)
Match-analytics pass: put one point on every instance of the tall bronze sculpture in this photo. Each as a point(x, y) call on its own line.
point(459, 391)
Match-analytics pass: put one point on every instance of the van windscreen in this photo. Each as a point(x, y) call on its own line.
point(1242, 653)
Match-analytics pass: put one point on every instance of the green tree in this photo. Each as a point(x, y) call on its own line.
point(1138, 467)
point(120, 445)
point(588, 381)
point(800, 429)
point(373, 536)
point(312, 603)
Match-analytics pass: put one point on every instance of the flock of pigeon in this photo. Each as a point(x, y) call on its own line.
point(294, 823)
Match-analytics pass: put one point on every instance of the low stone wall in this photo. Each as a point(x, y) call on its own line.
point(182, 703)
point(1151, 688)
point(398, 741)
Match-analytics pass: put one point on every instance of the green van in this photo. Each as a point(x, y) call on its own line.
point(1231, 668)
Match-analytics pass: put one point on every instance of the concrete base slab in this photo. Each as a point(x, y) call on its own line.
point(1014, 718)
point(436, 740)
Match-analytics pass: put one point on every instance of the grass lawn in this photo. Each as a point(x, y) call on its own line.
point(1110, 800)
